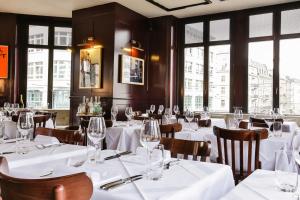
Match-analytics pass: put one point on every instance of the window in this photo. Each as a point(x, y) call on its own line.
point(198, 102)
point(261, 25)
point(260, 77)
point(219, 67)
point(194, 33)
point(193, 73)
point(38, 57)
point(219, 30)
point(289, 76)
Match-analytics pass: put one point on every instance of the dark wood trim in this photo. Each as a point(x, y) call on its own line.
point(276, 54)
point(205, 64)
point(153, 2)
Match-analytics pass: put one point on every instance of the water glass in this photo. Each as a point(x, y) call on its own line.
point(96, 132)
point(157, 162)
point(160, 109)
point(238, 116)
point(114, 113)
point(176, 109)
point(25, 126)
point(277, 129)
point(168, 114)
point(286, 176)
point(189, 115)
point(152, 108)
point(128, 113)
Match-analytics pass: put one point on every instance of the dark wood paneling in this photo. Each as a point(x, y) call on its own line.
point(8, 37)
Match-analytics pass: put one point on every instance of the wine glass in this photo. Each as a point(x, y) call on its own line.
point(150, 138)
point(189, 115)
point(25, 126)
point(168, 114)
point(6, 105)
point(96, 132)
point(152, 108)
point(277, 113)
point(2, 127)
point(128, 113)
point(205, 113)
point(114, 113)
point(238, 116)
point(15, 107)
point(160, 109)
point(176, 109)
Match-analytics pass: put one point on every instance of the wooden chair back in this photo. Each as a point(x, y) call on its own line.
point(187, 147)
point(261, 122)
point(39, 121)
point(240, 136)
point(170, 129)
point(204, 122)
point(75, 187)
point(63, 136)
point(51, 115)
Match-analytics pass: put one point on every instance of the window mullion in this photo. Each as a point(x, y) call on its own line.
point(276, 76)
point(50, 65)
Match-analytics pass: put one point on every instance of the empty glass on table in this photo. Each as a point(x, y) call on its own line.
point(15, 108)
point(25, 126)
point(157, 160)
point(96, 132)
point(189, 115)
point(129, 114)
point(160, 109)
point(176, 110)
point(114, 113)
point(238, 116)
point(2, 127)
point(168, 114)
point(152, 109)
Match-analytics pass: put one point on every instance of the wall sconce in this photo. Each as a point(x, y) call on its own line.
point(154, 58)
point(133, 44)
point(90, 43)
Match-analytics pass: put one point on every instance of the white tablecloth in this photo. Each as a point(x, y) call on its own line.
point(260, 185)
point(186, 180)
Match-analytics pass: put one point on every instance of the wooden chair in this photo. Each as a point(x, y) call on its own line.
point(72, 128)
point(51, 115)
point(187, 147)
point(39, 121)
point(239, 136)
point(63, 136)
point(204, 122)
point(261, 122)
point(166, 129)
point(243, 124)
point(75, 187)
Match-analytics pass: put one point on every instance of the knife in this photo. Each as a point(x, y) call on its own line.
point(117, 155)
point(7, 152)
point(120, 182)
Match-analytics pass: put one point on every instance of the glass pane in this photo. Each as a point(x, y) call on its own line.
point(37, 78)
point(290, 21)
point(38, 35)
point(61, 79)
point(194, 33)
point(261, 25)
point(289, 76)
point(193, 78)
point(219, 30)
point(219, 78)
point(260, 77)
point(63, 36)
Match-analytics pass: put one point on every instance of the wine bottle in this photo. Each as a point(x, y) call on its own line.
point(21, 101)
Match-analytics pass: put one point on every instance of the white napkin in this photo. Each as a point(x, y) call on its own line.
point(46, 140)
point(98, 179)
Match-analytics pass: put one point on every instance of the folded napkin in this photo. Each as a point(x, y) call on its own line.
point(46, 140)
point(99, 179)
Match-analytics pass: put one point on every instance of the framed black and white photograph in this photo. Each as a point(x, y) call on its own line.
point(132, 70)
point(90, 68)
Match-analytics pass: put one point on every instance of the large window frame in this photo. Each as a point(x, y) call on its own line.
point(239, 32)
point(23, 37)
point(206, 45)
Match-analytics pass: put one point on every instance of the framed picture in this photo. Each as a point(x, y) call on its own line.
point(132, 70)
point(3, 61)
point(90, 68)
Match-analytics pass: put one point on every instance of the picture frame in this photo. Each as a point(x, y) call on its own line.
point(132, 70)
point(90, 68)
point(4, 61)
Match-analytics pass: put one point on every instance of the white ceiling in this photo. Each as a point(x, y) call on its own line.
point(63, 8)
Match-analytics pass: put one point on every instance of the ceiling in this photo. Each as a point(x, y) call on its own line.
point(63, 8)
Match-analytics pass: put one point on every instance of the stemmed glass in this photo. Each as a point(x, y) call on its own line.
point(176, 109)
point(2, 127)
point(25, 126)
point(168, 114)
point(128, 113)
point(277, 113)
point(238, 116)
point(96, 132)
point(189, 115)
point(160, 109)
point(271, 119)
point(6, 106)
point(150, 138)
point(205, 113)
point(114, 113)
point(152, 108)
point(15, 107)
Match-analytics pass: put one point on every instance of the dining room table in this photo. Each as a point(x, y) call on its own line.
point(186, 179)
point(260, 185)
